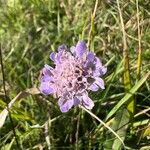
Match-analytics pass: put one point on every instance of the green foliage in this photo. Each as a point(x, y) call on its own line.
point(31, 29)
point(119, 124)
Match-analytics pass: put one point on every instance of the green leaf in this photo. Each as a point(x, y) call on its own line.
point(119, 125)
point(8, 146)
point(128, 95)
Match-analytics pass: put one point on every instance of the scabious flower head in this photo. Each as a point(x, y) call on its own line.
point(77, 71)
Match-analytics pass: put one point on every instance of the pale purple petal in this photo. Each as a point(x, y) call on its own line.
point(76, 101)
point(94, 87)
point(90, 56)
point(62, 47)
point(89, 65)
point(58, 58)
point(52, 56)
point(80, 48)
point(98, 63)
point(96, 72)
point(48, 67)
point(100, 82)
point(99, 71)
point(65, 105)
point(72, 49)
point(103, 70)
point(45, 88)
point(46, 78)
point(47, 70)
point(87, 102)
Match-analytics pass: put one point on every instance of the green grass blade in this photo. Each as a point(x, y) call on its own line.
point(128, 95)
point(119, 125)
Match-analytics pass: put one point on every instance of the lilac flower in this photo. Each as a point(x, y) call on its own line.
point(76, 72)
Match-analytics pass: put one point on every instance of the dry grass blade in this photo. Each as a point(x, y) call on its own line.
point(142, 112)
point(110, 129)
point(92, 23)
point(126, 75)
point(139, 61)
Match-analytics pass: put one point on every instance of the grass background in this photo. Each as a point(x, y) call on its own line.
point(31, 29)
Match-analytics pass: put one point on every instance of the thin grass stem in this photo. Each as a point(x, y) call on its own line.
point(98, 119)
point(126, 74)
point(90, 36)
point(6, 97)
point(139, 60)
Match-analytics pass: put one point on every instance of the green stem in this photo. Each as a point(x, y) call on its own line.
point(104, 124)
